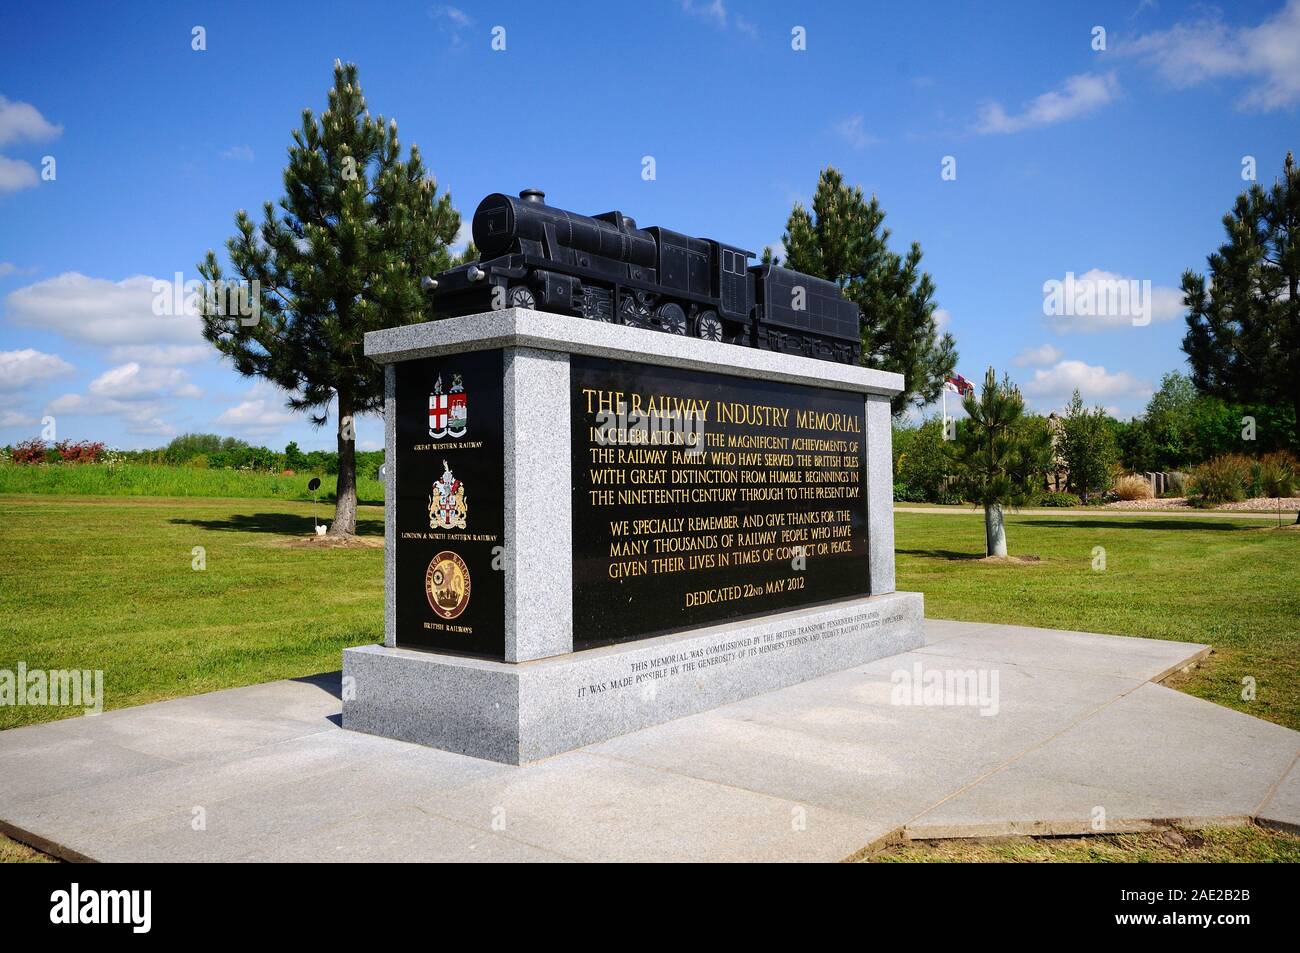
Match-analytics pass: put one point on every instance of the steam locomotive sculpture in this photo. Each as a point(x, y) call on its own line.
point(532, 255)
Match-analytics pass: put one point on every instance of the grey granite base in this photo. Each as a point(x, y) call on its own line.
point(520, 712)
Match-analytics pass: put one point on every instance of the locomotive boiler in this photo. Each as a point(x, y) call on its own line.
point(606, 268)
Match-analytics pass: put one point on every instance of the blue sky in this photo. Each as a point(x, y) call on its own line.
point(1069, 159)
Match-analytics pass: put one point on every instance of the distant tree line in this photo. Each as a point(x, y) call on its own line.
point(1181, 429)
point(203, 451)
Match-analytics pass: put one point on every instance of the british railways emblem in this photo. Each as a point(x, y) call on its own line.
point(446, 584)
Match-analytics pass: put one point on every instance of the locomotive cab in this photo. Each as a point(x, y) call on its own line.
point(732, 269)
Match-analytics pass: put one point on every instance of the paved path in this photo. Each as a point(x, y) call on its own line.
point(817, 771)
point(1288, 516)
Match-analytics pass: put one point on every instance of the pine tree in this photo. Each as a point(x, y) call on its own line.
point(1243, 333)
point(1089, 448)
point(356, 230)
point(1000, 455)
point(844, 240)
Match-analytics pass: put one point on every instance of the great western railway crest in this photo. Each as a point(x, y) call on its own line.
point(449, 412)
point(448, 508)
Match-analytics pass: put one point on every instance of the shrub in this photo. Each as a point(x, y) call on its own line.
point(83, 451)
point(922, 463)
point(1058, 499)
point(1274, 475)
point(29, 451)
point(1222, 480)
point(1133, 487)
point(1088, 447)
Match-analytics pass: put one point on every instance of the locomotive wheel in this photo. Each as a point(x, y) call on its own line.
point(708, 326)
point(631, 311)
point(671, 318)
point(520, 297)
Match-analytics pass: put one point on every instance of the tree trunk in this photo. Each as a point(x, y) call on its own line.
point(345, 506)
point(995, 530)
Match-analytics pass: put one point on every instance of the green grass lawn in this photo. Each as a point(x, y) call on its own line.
point(141, 479)
point(1230, 583)
point(108, 584)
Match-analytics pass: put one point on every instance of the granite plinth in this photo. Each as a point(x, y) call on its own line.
point(521, 712)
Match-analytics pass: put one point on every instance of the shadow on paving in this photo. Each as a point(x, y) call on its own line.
point(281, 524)
point(331, 682)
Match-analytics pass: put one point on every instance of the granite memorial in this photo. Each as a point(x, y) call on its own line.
point(593, 526)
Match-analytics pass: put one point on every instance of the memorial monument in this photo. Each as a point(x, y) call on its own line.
point(592, 525)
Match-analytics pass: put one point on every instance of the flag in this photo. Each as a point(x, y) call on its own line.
point(958, 385)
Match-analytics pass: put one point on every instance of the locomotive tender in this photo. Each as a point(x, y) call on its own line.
point(532, 255)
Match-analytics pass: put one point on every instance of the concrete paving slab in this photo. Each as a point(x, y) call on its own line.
point(389, 776)
point(1152, 755)
point(88, 811)
point(406, 832)
point(1122, 656)
point(67, 762)
point(1282, 806)
point(815, 771)
point(843, 745)
point(600, 809)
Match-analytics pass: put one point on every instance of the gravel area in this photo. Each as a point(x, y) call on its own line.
point(1260, 504)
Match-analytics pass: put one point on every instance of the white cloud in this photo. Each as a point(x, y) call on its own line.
point(1267, 55)
point(238, 153)
point(464, 235)
point(24, 122)
point(1037, 356)
point(453, 21)
point(746, 27)
point(1099, 300)
point(140, 418)
point(714, 10)
point(942, 320)
point(13, 418)
point(100, 311)
point(20, 369)
point(1093, 383)
point(851, 131)
point(169, 354)
point(1079, 95)
point(139, 395)
point(262, 411)
point(152, 427)
point(457, 16)
point(132, 382)
point(16, 174)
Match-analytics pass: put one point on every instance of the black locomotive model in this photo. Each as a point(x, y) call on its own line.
point(532, 255)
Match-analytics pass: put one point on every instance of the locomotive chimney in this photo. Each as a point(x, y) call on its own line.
point(533, 195)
